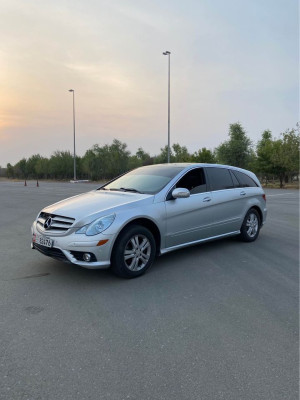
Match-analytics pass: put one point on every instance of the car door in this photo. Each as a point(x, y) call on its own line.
point(189, 219)
point(227, 201)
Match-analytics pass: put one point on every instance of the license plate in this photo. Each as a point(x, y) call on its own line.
point(43, 241)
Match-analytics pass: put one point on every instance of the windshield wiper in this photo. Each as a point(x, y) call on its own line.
point(111, 189)
point(122, 189)
point(130, 190)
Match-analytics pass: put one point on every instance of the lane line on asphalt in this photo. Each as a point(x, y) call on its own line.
point(279, 194)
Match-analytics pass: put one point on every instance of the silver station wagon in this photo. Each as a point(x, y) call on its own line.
point(150, 211)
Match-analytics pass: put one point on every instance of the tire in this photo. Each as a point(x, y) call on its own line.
point(133, 252)
point(251, 226)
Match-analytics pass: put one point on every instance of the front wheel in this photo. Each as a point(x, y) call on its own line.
point(251, 226)
point(133, 252)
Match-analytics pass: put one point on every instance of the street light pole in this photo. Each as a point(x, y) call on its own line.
point(72, 90)
point(167, 53)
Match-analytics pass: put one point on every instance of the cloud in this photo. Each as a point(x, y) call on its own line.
point(230, 61)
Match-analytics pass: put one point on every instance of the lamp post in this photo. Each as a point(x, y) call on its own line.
point(167, 53)
point(72, 90)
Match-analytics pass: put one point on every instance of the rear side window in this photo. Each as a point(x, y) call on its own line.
point(234, 178)
point(219, 178)
point(244, 180)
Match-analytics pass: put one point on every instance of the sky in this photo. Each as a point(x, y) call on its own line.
point(231, 61)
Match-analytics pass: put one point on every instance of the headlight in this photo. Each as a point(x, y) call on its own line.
point(97, 226)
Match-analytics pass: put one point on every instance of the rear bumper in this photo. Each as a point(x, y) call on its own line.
point(264, 216)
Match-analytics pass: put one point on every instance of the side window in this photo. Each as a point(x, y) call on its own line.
point(234, 178)
point(219, 178)
point(245, 180)
point(194, 181)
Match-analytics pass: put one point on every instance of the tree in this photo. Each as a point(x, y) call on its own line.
point(143, 156)
point(42, 168)
point(279, 157)
point(118, 158)
point(291, 143)
point(10, 172)
point(278, 160)
point(181, 153)
point(237, 150)
point(264, 151)
point(61, 165)
point(162, 158)
point(107, 161)
point(32, 164)
point(21, 168)
point(204, 155)
point(91, 164)
point(3, 172)
point(273, 157)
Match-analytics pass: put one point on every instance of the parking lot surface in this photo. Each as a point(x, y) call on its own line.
point(214, 321)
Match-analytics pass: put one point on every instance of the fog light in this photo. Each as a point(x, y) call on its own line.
point(87, 257)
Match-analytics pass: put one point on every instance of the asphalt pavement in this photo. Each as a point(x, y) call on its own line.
point(214, 321)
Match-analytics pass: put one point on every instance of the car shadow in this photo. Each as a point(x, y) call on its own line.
point(170, 264)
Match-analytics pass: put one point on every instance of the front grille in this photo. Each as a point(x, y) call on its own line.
point(51, 252)
point(59, 223)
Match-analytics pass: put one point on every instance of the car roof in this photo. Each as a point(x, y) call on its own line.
point(187, 166)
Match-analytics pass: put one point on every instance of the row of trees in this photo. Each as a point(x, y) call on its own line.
point(271, 158)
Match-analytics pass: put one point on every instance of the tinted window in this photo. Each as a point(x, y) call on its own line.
point(148, 180)
point(244, 180)
point(194, 181)
point(219, 178)
point(235, 181)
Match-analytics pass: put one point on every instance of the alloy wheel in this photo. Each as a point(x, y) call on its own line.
point(137, 252)
point(252, 225)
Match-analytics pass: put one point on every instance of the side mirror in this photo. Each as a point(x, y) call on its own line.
point(180, 193)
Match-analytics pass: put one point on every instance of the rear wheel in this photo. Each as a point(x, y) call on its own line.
point(133, 252)
point(251, 226)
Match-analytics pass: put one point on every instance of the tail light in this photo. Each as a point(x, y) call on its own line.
point(264, 197)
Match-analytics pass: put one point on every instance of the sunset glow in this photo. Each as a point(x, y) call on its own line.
point(231, 61)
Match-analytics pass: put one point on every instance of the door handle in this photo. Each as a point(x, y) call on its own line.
point(206, 199)
point(243, 193)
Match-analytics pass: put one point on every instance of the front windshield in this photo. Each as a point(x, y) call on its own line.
point(149, 180)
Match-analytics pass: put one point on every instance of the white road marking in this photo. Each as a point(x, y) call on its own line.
point(279, 194)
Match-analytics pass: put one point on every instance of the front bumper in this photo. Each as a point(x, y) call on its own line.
point(68, 248)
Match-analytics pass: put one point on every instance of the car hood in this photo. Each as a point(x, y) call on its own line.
point(96, 203)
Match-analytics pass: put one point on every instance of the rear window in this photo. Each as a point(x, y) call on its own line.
point(219, 178)
point(244, 180)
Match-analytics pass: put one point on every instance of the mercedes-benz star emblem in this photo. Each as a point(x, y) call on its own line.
point(48, 223)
